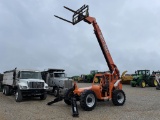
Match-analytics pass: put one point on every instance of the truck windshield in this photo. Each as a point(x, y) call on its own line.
point(59, 75)
point(30, 75)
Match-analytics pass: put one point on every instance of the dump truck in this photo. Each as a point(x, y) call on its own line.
point(24, 82)
point(143, 78)
point(57, 81)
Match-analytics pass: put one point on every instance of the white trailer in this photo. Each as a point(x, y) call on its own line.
point(24, 83)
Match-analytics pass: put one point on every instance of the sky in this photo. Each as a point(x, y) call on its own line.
point(32, 38)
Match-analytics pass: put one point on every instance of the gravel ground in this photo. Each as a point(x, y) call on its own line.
point(141, 104)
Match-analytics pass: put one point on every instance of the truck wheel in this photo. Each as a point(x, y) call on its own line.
point(6, 90)
point(1, 87)
point(88, 100)
point(142, 84)
point(56, 91)
point(118, 97)
point(3, 90)
point(43, 97)
point(67, 96)
point(18, 96)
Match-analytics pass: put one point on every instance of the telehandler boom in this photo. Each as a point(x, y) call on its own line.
point(79, 16)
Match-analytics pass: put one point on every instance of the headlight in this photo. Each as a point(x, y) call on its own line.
point(23, 87)
point(46, 87)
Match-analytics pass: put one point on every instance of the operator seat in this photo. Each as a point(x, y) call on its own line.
point(105, 85)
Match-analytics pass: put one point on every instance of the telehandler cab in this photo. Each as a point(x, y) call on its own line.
point(109, 87)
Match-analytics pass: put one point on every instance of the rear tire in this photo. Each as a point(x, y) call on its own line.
point(6, 90)
point(56, 91)
point(142, 84)
point(1, 87)
point(18, 96)
point(118, 97)
point(155, 83)
point(88, 100)
point(3, 91)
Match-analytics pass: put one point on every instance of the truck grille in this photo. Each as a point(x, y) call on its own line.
point(67, 84)
point(36, 84)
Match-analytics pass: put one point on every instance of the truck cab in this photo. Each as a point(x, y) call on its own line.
point(57, 81)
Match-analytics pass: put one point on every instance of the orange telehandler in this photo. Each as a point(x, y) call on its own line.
point(109, 87)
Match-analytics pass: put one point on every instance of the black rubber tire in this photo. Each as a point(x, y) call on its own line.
point(56, 91)
point(141, 84)
point(67, 96)
point(3, 91)
point(158, 87)
point(7, 90)
point(44, 96)
point(154, 83)
point(18, 96)
point(1, 88)
point(132, 85)
point(118, 97)
point(90, 97)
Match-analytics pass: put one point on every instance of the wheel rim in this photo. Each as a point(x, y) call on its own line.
point(16, 95)
point(143, 84)
point(155, 83)
point(120, 97)
point(90, 100)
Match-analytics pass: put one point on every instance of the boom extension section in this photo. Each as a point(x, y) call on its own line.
point(83, 14)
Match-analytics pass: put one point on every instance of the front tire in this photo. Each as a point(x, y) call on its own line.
point(43, 97)
point(157, 87)
point(67, 96)
point(56, 91)
point(88, 100)
point(132, 84)
point(118, 97)
point(18, 96)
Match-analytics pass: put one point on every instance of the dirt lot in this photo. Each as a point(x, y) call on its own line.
point(141, 104)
